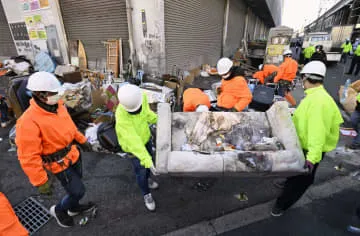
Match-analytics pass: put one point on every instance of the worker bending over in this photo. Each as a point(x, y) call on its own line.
point(45, 136)
point(195, 100)
point(133, 117)
point(317, 121)
point(285, 77)
point(9, 223)
point(266, 73)
point(234, 92)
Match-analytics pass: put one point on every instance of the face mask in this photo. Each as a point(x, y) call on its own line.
point(52, 100)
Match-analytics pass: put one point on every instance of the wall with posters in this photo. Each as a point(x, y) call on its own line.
point(36, 25)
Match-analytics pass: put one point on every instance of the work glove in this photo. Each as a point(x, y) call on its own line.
point(45, 189)
point(86, 147)
point(147, 163)
point(309, 166)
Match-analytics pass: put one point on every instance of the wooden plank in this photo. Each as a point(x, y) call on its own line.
point(82, 56)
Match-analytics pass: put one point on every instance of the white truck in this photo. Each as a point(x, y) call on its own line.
point(331, 42)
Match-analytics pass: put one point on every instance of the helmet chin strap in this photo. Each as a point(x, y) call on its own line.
point(136, 112)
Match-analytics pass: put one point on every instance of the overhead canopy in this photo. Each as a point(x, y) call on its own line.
point(269, 10)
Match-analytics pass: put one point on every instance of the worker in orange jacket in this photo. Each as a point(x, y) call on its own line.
point(266, 72)
point(195, 100)
point(235, 94)
point(285, 76)
point(9, 223)
point(45, 134)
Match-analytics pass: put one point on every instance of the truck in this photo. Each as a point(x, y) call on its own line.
point(331, 42)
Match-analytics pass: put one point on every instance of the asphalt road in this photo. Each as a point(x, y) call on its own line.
point(328, 217)
point(110, 183)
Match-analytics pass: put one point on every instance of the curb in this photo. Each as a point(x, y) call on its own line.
point(262, 211)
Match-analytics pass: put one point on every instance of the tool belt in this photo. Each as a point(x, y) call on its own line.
point(56, 156)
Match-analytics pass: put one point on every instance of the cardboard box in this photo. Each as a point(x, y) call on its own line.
point(178, 88)
point(350, 102)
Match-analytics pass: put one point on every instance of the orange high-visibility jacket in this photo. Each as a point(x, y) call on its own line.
point(235, 93)
point(267, 70)
point(40, 133)
point(194, 97)
point(9, 223)
point(287, 70)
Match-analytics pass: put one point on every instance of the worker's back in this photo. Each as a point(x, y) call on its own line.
point(287, 70)
point(194, 97)
point(232, 91)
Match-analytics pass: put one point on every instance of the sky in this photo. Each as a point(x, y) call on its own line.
point(299, 13)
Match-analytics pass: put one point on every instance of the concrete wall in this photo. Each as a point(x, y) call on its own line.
point(51, 17)
point(149, 41)
point(276, 9)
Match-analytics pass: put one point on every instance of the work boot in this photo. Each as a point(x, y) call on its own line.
point(353, 229)
point(149, 202)
point(348, 73)
point(63, 219)
point(152, 184)
point(276, 212)
point(353, 146)
point(81, 209)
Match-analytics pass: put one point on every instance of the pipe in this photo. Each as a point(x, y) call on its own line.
point(246, 23)
point(225, 30)
point(131, 38)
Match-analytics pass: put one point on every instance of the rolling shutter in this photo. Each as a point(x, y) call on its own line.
point(236, 25)
point(94, 21)
point(193, 32)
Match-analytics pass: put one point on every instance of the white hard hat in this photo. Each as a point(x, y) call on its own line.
point(224, 65)
point(261, 66)
point(287, 52)
point(314, 68)
point(130, 97)
point(202, 108)
point(43, 81)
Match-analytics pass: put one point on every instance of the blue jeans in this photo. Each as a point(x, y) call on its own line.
point(355, 121)
point(4, 112)
point(71, 181)
point(142, 174)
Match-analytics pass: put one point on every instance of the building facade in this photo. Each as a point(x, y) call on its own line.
point(156, 34)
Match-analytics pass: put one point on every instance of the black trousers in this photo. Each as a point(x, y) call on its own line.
point(355, 61)
point(295, 187)
point(344, 56)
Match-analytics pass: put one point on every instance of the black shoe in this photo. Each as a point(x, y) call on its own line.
point(353, 229)
point(276, 212)
point(353, 146)
point(81, 209)
point(280, 183)
point(347, 73)
point(63, 219)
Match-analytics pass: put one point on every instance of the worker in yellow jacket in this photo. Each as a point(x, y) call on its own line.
point(308, 52)
point(347, 47)
point(133, 117)
point(317, 121)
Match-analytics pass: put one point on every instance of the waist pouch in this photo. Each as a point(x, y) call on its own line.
point(270, 78)
point(57, 156)
point(284, 83)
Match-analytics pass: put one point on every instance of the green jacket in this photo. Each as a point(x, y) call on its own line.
point(133, 131)
point(357, 51)
point(317, 121)
point(346, 47)
point(309, 51)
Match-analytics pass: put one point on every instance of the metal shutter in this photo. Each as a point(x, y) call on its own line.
point(236, 25)
point(193, 32)
point(93, 21)
point(7, 46)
